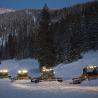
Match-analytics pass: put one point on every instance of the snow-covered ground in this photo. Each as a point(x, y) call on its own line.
point(25, 89)
point(14, 65)
point(74, 69)
point(54, 89)
point(5, 10)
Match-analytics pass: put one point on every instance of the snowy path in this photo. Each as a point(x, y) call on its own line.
point(52, 86)
point(25, 89)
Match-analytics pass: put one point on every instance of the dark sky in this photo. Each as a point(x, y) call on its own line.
point(22, 4)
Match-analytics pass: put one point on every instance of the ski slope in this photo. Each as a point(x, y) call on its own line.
point(14, 65)
point(74, 69)
point(54, 89)
point(65, 71)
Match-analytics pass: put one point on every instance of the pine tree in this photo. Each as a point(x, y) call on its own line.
point(12, 46)
point(74, 48)
point(45, 37)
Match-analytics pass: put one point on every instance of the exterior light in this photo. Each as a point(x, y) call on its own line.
point(3, 70)
point(22, 71)
point(95, 66)
point(19, 71)
point(44, 69)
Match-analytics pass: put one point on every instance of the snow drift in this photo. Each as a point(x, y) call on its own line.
point(14, 65)
point(74, 69)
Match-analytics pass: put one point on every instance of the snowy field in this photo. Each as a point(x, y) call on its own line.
point(26, 89)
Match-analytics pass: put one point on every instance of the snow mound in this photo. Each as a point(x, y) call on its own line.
point(74, 69)
point(90, 83)
point(14, 65)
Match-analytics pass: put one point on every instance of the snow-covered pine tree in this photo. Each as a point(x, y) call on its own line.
point(12, 46)
point(45, 39)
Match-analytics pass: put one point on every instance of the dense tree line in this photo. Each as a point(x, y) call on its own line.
point(51, 36)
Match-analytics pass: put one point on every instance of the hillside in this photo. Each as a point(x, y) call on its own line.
point(74, 69)
point(73, 30)
point(4, 10)
point(65, 71)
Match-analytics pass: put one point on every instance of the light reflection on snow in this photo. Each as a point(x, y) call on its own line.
point(54, 86)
